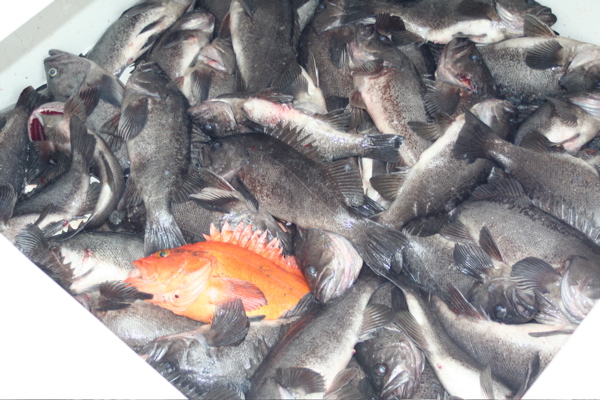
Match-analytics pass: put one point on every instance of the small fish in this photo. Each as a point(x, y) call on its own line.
point(191, 280)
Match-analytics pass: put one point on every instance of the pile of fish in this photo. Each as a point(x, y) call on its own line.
point(319, 199)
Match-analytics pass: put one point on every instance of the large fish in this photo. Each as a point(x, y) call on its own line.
point(297, 189)
point(193, 279)
point(134, 32)
point(295, 368)
point(439, 22)
point(154, 123)
point(437, 183)
point(390, 88)
point(558, 182)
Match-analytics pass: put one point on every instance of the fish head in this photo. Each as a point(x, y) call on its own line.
point(393, 366)
point(47, 122)
point(197, 20)
point(214, 117)
point(329, 262)
point(65, 73)
point(219, 55)
point(500, 115)
point(504, 302)
point(512, 12)
point(225, 157)
point(369, 45)
point(461, 65)
point(328, 15)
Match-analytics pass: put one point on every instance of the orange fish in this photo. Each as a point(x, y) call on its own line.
point(191, 280)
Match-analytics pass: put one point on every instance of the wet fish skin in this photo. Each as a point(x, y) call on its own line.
point(164, 129)
point(579, 287)
point(567, 181)
point(273, 171)
point(134, 32)
point(564, 121)
point(14, 149)
point(339, 320)
point(178, 46)
point(392, 93)
point(329, 262)
point(96, 257)
point(508, 349)
point(423, 192)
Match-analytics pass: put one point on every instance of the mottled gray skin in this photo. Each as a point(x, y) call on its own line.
point(336, 328)
point(580, 287)
point(334, 80)
point(392, 362)
point(507, 348)
point(439, 22)
point(178, 46)
point(570, 126)
point(221, 117)
point(549, 178)
point(164, 137)
point(430, 386)
point(296, 189)
point(522, 230)
point(211, 367)
point(392, 94)
point(143, 322)
point(218, 8)
point(263, 43)
point(438, 182)
point(515, 79)
point(96, 257)
point(14, 148)
point(123, 42)
point(429, 261)
point(328, 261)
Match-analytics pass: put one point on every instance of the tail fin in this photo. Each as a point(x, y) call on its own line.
point(383, 147)
point(162, 232)
point(378, 245)
point(474, 139)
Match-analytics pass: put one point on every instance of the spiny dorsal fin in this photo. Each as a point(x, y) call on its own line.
point(293, 136)
point(255, 241)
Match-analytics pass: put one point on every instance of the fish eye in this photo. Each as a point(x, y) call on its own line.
point(384, 39)
point(311, 271)
point(500, 311)
point(163, 253)
point(474, 57)
point(52, 72)
point(207, 127)
point(322, 6)
point(216, 146)
point(380, 369)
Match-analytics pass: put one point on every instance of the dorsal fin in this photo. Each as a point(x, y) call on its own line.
point(254, 241)
point(292, 136)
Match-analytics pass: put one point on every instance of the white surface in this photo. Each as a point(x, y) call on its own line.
point(53, 348)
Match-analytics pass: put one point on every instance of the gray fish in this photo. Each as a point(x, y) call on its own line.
point(579, 287)
point(541, 64)
point(155, 124)
point(134, 32)
point(392, 362)
point(96, 257)
point(327, 133)
point(329, 262)
point(567, 188)
point(297, 189)
point(295, 367)
point(391, 91)
point(508, 349)
point(437, 183)
point(14, 152)
point(178, 46)
point(571, 121)
point(439, 22)
point(459, 373)
point(49, 126)
point(68, 74)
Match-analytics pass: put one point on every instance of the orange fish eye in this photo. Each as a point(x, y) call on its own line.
point(163, 253)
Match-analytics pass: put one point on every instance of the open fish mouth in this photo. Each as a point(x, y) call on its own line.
point(545, 15)
point(523, 304)
point(396, 388)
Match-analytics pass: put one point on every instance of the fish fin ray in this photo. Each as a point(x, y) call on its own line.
point(473, 9)
point(337, 119)
point(426, 226)
point(499, 189)
point(215, 199)
point(544, 55)
point(424, 130)
point(457, 232)
point(383, 147)
point(8, 199)
point(534, 27)
point(387, 185)
point(230, 324)
point(460, 305)
point(537, 142)
point(471, 260)
point(116, 295)
point(376, 316)
point(485, 381)
point(339, 381)
point(133, 118)
point(308, 380)
point(161, 233)
point(474, 138)
point(346, 176)
point(532, 273)
point(489, 245)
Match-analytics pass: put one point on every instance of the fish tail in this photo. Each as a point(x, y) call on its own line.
point(383, 147)
point(474, 140)
point(162, 232)
point(379, 245)
point(82, 144)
